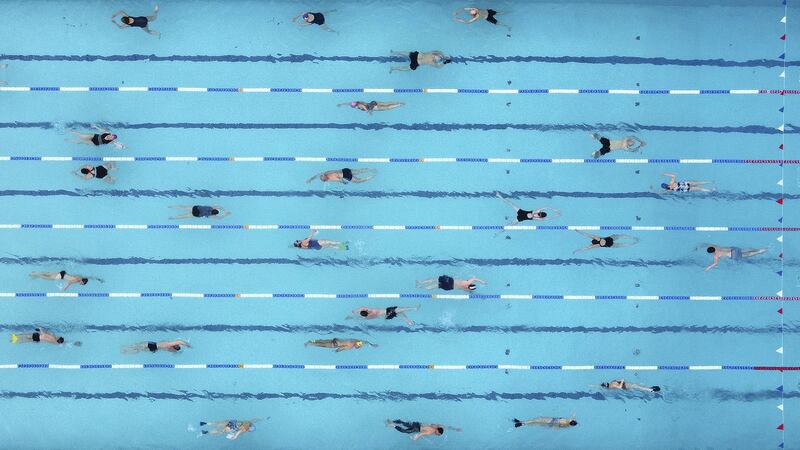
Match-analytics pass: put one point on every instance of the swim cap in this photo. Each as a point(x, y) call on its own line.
point(305, 16)
point(359, 344)
point(353, 104)
point(113, 136)
point(664, 186)
point(60, 340)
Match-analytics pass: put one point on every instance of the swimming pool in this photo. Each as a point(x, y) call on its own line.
point(236, 106)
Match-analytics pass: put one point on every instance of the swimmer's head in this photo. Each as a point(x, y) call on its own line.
point(363, 313)
point(655, 388)
point(298, 244)
point(541, 214)
point(85, 171)
point(472, 287)
point(353, 104)
point(112, 136)
point(711, 249)
point(127, 20)
point(214, 211)
point(604, 385)
point(84, 280)
point(60, 340)
point(359, 344)
point(447, 61)
point(307, 16)
point(573, 422)
point(664, 186)
point(439, 431)
point(177, 348)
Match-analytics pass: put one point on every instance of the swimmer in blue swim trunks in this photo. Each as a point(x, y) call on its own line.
point(345, 176)
point(314, 244)
point(448, 283)
point(389, 313)
point(231, 428)
point(313, 18)
point(615, 241)
point(552, 422)
point(435, 58)
point(684, 186)
point(201, 211)
point(628, 144)
point(369, 107)
point(136, 22)
point(734, 253)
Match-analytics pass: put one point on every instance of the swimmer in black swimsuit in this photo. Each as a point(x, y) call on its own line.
point(313, 18)
point(201, 211)
point(372, 106)
point(435, 58)
point(629, 144)
point(389, 313)
point(340, 344)
point(99, 172)
point(136, 22)
point(625, 386)
point(64, 276)
point(523, 215)
point(344, 176)
point(107, 137)
point(40, 335)
point(615, 241)
point(418, 429)
point(448, 283)
point(151, 346)
point(476, 14)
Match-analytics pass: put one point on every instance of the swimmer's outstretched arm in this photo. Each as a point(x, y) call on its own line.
point(119, 24)
point(459, 19)
point(638, 147)
point(369, 343)
point(672, 177)
point(109, 179)
point(474, 279)
point(716, 261)
point(315, 177)
point(508, 202)
point(303, 23)
point(401, 68)
point(585, 248)
point(588, 235)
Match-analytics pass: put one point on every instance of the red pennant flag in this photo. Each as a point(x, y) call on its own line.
point(781, 255)
point(780, 201)
point(780, 146)
point(780, 311)
point(780, 427)
point(783, 38)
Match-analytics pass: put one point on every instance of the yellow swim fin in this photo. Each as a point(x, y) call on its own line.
point(14, 338)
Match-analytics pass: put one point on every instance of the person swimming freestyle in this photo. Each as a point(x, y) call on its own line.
point(625, 386)
point(313, 18)
point(314, 244)
point(344, 176)
point(369, 107)
point(734, 253)
point(340, 345)
point(628, 144)
point(551, 422)
point(365, 313)
point(475, 14)
point(435, 59)
point(418, 429)
point(448, 283)
point(153, 346)
point(684, 186)
point(39, 335)
point(200, 211)
point(142, 22)
point(231, 428)
point(64, 276)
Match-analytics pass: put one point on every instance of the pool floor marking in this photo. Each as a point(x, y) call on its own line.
point(550, 91)
point(433, 296)
point(362, 227)
point(394, 160)
point(426, 366)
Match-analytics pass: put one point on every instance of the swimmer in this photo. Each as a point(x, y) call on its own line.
point(419, 429)
point(340, 344)
point(628, 144)
point(100, 172)
point(107, 137)
point(214, 212)
point(615, 241)
point(344, 176)
point(448, 283)
point(434, 58)
point(373, 106)
point(313, 18)
point(389, 313)
point(232, 428)
point(684, 186)
point(523, 215)
point(621, 384)
point(476, 14)
point(734, 253)
point(152, 346)
point(39, 335)
point(313, 244)
point(553, 422)
point(136, 22)
point(63, 275)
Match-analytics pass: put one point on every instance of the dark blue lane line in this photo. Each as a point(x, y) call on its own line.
point(419, 328)
point(518, 195)
point(425, 126)
point(396, 396)
point(369, 262)
point(486, 59)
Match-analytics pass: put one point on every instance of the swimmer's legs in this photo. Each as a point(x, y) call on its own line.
point(433, 283)
point(507, 202)
point(325, 343)
point(23, 338)
point(84, 138)
point(753, 252)
point(46, 275)
point(154, 16)
point(152, 32)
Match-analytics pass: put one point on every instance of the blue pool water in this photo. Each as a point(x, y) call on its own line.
point(472, 363)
